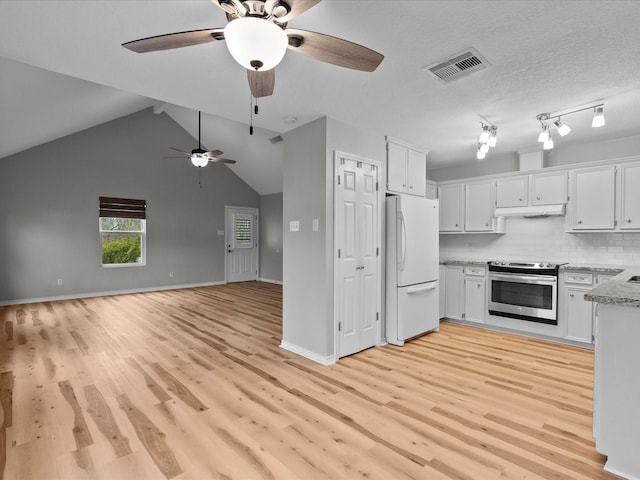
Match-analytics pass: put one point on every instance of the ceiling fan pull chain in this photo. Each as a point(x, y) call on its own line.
point(255, 109)
point(200, 176)
point(251, 114)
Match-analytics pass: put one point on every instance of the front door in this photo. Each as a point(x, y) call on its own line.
point(358, 263)
point(242, 244)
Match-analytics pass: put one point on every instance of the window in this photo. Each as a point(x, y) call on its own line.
point(243, 231)
point(122, 231)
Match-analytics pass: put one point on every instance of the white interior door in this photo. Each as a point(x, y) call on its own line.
point(358, 263)
point(242, 244)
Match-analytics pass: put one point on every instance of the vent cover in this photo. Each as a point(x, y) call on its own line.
point(459, 66)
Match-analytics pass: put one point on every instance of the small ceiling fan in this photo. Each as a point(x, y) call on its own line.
point(257, 37)
point(200, 157)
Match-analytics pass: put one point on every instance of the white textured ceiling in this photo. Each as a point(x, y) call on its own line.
point(544, 55)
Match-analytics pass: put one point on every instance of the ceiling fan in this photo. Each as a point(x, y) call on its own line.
point(257, 37)
point(200, 157)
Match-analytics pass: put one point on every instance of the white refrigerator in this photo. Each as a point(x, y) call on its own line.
point(412, 267)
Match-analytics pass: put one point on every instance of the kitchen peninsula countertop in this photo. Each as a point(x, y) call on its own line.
point(594, 268)
point(618, 290)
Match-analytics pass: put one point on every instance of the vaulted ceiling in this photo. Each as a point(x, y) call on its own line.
point(62, 69)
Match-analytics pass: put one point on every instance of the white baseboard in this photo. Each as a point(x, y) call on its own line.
point(303, 352)
point(107, 294)
point(268, 280)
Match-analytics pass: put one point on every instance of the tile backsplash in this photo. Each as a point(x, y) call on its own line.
point(544, 239)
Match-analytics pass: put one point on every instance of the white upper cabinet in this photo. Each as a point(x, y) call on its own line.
point(479, 206)
point(469, 208)
point(593, 198)
point(536, 189)
point(406, 169)
point(630, 196)
point(451, 207)
point(548, 188)
point(512, 191)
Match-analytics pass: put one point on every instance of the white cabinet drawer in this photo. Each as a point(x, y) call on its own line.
point(579, 278)
point(475, 270)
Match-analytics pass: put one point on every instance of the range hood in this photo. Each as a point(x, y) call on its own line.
point(531, 211)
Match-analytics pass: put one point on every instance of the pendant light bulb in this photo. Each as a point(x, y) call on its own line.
point(548, 144)
point(562, 128)
point(598, 117)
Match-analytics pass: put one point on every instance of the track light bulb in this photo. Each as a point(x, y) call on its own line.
point(562, 128)
point(493, 137)
point(548, 144)
point(480, 155)
point(544, 134)
point(484, 136)
point(598, 117)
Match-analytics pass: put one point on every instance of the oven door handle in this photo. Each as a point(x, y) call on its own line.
point(516, 277)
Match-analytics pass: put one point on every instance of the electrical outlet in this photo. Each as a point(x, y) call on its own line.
point(294, 226)
point(170, 274)
point(59, 281)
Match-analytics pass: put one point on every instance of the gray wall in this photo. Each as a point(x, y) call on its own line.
point(49, 210)
point(308, 306)
point(564, 155)
point(271, 237)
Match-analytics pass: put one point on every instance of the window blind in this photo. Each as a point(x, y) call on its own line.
point(123, 207)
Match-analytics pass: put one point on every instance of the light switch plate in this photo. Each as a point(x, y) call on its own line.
point(316, 224)
point(294, 226)
point(221, 232)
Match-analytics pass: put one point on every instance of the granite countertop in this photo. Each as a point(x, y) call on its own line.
point(594, 268)
point(618, 290)
point(462, 261)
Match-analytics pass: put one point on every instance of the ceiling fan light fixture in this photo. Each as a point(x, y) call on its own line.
point(199, 160)
point(255, 43)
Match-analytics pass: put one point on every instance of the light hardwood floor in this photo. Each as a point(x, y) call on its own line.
point(191, 384)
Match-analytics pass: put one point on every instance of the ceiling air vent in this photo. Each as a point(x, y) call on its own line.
point(459, 66)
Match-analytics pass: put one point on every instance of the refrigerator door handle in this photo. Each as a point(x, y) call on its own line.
point(403, 242)
point(423, 288)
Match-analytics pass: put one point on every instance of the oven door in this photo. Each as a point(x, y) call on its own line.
point(526, 297)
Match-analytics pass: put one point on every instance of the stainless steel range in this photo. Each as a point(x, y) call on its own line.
point(524, 290)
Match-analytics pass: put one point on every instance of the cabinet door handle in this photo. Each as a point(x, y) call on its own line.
point(486, 224)
point(579, 221)
point(628, 220)
point(519, 199)
point(538, 197)
point(571, 295)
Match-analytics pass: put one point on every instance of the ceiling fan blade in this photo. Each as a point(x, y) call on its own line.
point(221, 160)
point(261, 83)
point(181, 151)
point(175, 40)
point(333, 50)
point(213, 153)
point(297, 7)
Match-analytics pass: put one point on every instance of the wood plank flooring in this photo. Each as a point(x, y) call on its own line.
point(191, 384)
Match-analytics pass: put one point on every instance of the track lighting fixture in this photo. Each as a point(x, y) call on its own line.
point(598, 116)
point(488, 138)
point(563, 129)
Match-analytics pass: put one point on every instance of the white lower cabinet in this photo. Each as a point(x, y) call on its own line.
point(465, 292)
point(443, 291)
point(474, 299)
point(578, 312)
point(454, 298)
